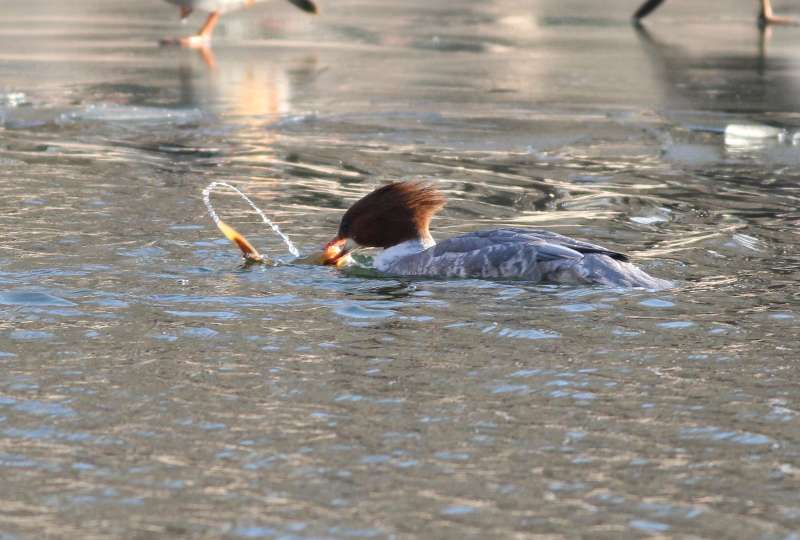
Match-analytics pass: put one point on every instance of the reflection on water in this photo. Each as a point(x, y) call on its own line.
point(152, 386)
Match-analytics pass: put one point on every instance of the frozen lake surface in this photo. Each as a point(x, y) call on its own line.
point(150, 387)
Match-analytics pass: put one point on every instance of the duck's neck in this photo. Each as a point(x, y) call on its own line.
point(389, 256)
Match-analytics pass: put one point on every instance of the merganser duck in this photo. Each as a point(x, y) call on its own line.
point(396, 217)
point(215, 8)
point(765, 16)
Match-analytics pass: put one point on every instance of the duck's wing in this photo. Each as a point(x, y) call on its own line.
point(528, 254)
point(500, 253)
point(505, 241)
point(540, 237)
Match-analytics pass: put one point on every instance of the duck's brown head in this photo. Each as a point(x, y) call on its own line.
point(391, 214)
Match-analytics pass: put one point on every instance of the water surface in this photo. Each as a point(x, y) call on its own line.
point(151, 387)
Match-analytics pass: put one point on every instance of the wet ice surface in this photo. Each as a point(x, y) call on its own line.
point(151, 387)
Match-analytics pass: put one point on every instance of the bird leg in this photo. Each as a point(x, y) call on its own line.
point(767, 16)
point(201, 39)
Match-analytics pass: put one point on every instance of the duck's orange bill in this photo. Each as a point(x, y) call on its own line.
point(334, 253)
point(331, 255)
point(250, 253)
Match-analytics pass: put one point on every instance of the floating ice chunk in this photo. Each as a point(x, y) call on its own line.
point(754, 136)
point(12, 99)
point(749, 242)
point(752, 131)
point(130, 113)
point(648, 220)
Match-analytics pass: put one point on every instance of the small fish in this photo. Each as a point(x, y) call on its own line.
point(329, 256)
point(250, 253)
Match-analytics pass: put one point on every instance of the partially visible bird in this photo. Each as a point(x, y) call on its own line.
point(215, 8)
point(765, 16)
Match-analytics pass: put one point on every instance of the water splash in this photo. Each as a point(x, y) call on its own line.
point(207, 200)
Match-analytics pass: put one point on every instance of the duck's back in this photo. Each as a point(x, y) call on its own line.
point(528, 254)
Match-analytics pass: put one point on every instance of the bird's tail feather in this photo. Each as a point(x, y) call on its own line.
point(646, 8)
point(306, 5)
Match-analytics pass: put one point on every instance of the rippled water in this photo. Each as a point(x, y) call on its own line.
point(152, 387)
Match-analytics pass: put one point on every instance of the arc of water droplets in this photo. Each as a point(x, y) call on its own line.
point(207, 200)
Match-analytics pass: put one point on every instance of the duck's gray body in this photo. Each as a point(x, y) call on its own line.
point(527, 254)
